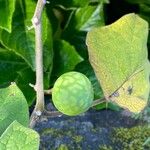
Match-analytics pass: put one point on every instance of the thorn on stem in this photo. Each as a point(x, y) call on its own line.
point(30, 27)
point(46, 2)
point(33, 86)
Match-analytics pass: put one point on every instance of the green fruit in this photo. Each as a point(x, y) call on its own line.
point(72, 93)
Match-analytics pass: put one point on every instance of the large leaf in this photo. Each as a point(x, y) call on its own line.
point(7, 8)
point(144, 12)
point(18, 137)
point(9, 65)
point(65, 58)
point(134, 93)
point(13, 107)
point(118, 54)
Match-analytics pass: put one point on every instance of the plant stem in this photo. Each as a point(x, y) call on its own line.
point(52, 113)
point(39, 87)
point(48, 92)
point(98, 101)
point(59, 114)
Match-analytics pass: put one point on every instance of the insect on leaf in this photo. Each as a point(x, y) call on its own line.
point(118, 54)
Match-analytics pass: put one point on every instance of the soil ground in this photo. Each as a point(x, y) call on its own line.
point(88, 131)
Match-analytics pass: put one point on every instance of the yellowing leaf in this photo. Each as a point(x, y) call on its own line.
point(133, 94)
point(118, 54)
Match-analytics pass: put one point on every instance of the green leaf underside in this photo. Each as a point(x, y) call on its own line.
point(119, 51)
point(7, 8)
point(13, 107)
point(18, 137)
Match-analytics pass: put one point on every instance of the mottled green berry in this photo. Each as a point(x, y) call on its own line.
point(72, 93)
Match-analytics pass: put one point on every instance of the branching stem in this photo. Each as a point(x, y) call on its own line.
point(36, 21)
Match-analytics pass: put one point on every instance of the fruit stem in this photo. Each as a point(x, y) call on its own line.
point(48, 92)
point(39, 87)
point(52, 113)
point(98, 101)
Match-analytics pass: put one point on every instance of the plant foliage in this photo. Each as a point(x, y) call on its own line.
point(65, 24)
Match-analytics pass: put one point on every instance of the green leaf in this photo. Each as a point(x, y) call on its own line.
point(78, 41)
point(18, 40)
point(108, 105)
point(18, 137)
point(118, 54)
point(21, 40)
point(48, 56)
point(7, 8)
point(79, 2)
point(89, 17)
point(147, 142)
point(84, 19)
point(70, 4)
point(24, 78)
point(80, 22)
point(10, 63)
point(65, 57)
point(13, 107)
